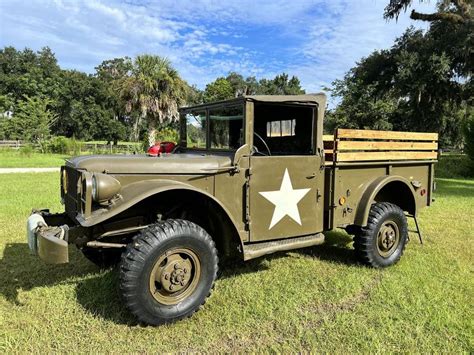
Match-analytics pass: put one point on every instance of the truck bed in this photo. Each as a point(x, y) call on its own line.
point(355, 158)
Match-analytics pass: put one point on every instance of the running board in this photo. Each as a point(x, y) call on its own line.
point(252, 251)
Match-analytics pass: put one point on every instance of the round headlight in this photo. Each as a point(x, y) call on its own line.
point(64, 181)
point(94, 188)
point(104, 187)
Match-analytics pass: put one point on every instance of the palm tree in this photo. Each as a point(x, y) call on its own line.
point(153, 92)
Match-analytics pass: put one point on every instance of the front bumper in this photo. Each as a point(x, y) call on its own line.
point(49, 242)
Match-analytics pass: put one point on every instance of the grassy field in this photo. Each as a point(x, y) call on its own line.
point(314, 299)
point(10, 158)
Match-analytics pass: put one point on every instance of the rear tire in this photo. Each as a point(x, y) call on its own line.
point(381, 243)
point(168, 271)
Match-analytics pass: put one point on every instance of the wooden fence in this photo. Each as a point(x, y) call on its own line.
point(85, 147)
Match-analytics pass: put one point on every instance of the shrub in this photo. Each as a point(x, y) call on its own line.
point(27, 150)
point(59, 145)
point(64, 145)
point(468, 131)
point(76, 147)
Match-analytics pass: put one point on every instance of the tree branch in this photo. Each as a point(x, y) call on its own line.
point(438, 16)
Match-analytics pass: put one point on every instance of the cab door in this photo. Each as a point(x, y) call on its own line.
point(285, 196)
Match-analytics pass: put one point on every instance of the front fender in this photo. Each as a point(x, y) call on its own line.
point(134, 193)
point(368, 197)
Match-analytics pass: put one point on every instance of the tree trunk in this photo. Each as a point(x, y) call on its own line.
point(151, 135)
point(136, 129)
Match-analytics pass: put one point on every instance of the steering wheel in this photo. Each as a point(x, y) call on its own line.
point(264, 143)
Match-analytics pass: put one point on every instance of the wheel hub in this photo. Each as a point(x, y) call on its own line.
point(388, 238)
point(174, 276)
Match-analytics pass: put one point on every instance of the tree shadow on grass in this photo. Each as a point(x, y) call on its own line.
point(19, 270)
point(446, 188)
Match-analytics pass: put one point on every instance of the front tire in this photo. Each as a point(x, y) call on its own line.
point(381, 243)
point(168, 271)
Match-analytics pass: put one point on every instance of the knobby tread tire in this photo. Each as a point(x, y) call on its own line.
point(365, 240)
point(144, 249)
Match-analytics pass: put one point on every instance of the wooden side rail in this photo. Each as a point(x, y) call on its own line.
point(353, 145)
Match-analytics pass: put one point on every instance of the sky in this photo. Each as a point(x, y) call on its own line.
point(317, 40)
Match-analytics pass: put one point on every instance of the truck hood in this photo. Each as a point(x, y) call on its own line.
point(180, 163)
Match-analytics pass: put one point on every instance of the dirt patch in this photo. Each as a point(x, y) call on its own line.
point(329, 311)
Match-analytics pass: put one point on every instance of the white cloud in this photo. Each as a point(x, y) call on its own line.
point(318, 40)
point(336, 44)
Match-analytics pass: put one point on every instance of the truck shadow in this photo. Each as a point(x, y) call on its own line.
point(337, 248)
point(100, 295)
point(19, 270)
point(97, 291)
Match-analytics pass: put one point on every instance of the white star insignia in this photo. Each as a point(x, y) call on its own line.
point(285, 200)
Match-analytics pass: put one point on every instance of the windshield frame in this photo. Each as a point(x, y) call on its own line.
point(206, 108)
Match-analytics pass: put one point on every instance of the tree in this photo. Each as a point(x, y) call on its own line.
point(85, 108)
point(452, 11)
point(31, 122)
point(280, 85)
point(241, 86)
point(26, 73)
point(468, 131)
point(112, 73)
point(422, 83)
point(234, 85)
point(153, 91)
point(218, 90)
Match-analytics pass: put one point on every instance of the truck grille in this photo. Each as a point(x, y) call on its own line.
point(71, 198)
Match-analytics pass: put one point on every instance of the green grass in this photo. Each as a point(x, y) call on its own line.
point(10, 158)
point(316, 299)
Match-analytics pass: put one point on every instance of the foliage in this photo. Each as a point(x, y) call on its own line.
point(153, 91)
point(64, 145)
point(59, 145)
point(454, 165)
point(125, 98)
point(422, 83)
point(86, 110)
point(468, 131)
point(218, 90)
point(31, 122)
point(280, 85)
point(82, 103)
point(167, 134)
point(453, 11)
point(234, 85)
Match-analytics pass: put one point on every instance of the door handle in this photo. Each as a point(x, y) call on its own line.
point(313, 175)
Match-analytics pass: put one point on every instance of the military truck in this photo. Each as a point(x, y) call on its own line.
point(249, 176)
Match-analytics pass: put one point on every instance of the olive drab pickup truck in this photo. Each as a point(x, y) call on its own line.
point(249, 176)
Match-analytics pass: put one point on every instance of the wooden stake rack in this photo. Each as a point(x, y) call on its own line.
point(354, 145)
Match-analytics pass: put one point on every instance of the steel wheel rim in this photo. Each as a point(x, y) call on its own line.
point(175, 276)
point(388, 238)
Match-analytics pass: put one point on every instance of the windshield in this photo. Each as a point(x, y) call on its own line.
point(225, 128)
